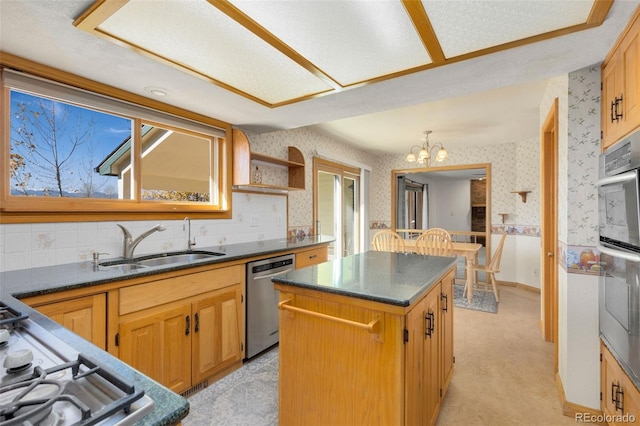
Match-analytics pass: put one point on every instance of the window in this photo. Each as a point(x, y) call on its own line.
point(71, 151)
point(54, 148)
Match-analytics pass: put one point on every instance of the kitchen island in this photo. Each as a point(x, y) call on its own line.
point(366, 339)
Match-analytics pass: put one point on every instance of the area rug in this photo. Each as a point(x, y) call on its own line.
point(484, 301)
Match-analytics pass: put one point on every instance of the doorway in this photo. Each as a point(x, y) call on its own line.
point(549, 223)
point(448, 200)
point(336, 201)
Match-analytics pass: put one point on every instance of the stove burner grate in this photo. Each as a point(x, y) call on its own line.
point(10, 316)
point(25, 408)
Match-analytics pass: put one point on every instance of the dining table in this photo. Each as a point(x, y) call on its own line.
point(468, 250)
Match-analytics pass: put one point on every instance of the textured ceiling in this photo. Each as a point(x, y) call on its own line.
point(491, 98)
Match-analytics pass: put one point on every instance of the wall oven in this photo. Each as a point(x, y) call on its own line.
point(619, 246)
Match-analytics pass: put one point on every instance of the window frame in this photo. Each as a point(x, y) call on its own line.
point(20, 209)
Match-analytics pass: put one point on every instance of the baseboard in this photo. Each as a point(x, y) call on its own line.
point(518, 285)
point(579, 413)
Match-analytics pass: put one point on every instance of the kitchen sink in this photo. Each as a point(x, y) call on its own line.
point(176, 257)
point(161, 259)
point(122, 265)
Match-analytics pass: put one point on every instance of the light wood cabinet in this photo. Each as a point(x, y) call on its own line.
point(345, 360)
point(312, 257)
point(446, 331)
point(156, 344)
point(621, 85)
point(620, 399)
point(429, 353)
point(86, 316)
point(181, 331)
point(422, 376)
point(218, 337)
point(243, 166)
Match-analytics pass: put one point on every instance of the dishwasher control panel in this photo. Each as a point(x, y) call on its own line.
point(271, 265)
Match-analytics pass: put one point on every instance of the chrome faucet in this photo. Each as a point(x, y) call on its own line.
point(190, 242)
point(128, 245)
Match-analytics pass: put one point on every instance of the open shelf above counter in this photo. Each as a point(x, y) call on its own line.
point(243, 159)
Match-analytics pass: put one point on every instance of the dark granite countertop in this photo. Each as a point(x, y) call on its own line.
point(392, 278)
point(170, 407)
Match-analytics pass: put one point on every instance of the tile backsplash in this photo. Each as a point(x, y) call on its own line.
point(255, 217)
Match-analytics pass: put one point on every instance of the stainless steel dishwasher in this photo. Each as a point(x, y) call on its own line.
point(262, 302)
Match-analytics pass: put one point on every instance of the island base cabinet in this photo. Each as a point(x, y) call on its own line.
point(346, 360)
point(446, 331)
point(422, 378)
point(334, 372)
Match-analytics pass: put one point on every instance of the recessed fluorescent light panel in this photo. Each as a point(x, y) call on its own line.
point(280, 52)
point(351, 41)
point(466, 26)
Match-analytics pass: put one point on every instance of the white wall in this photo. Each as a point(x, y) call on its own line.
point(581, 346)
point(449, 204)
point(520, 259)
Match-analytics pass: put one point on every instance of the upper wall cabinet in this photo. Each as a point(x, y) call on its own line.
point(620, 85)
point(245, 161)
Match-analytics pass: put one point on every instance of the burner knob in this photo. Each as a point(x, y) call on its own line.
point(4, 336)
point(18, 358)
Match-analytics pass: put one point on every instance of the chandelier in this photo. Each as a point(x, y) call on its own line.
point(424, 152)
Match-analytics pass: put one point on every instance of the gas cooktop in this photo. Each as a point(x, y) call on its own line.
point(45, 382)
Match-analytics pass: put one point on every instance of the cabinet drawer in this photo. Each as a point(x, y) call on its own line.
point(167, 290)
point(311, 257)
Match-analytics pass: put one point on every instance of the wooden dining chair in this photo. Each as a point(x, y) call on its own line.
point(490, 270)
point(435, 242)
point(388, 240)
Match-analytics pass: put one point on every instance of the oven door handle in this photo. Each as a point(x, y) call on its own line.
point(633, 257)
point(623, 177)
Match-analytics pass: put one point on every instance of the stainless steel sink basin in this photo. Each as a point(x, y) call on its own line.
point(177, 257)
point(161, 259)
point(125, 267)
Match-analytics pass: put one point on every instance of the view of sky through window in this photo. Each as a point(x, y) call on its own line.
point(56, 147)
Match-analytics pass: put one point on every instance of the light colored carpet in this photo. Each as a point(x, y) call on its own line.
point(503, 368)
point(503, 376)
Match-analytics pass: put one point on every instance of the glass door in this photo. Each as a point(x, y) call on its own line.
point(337, 206)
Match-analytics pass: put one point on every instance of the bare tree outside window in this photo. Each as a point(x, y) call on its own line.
point(54, 148)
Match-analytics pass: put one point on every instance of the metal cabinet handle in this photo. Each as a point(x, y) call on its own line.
point(446, 301)
point(618, 115)
point(196, 328)
point(187, 330)
point(617, 396)
point(611, 111)
point(427, 325)
point(430, 324)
